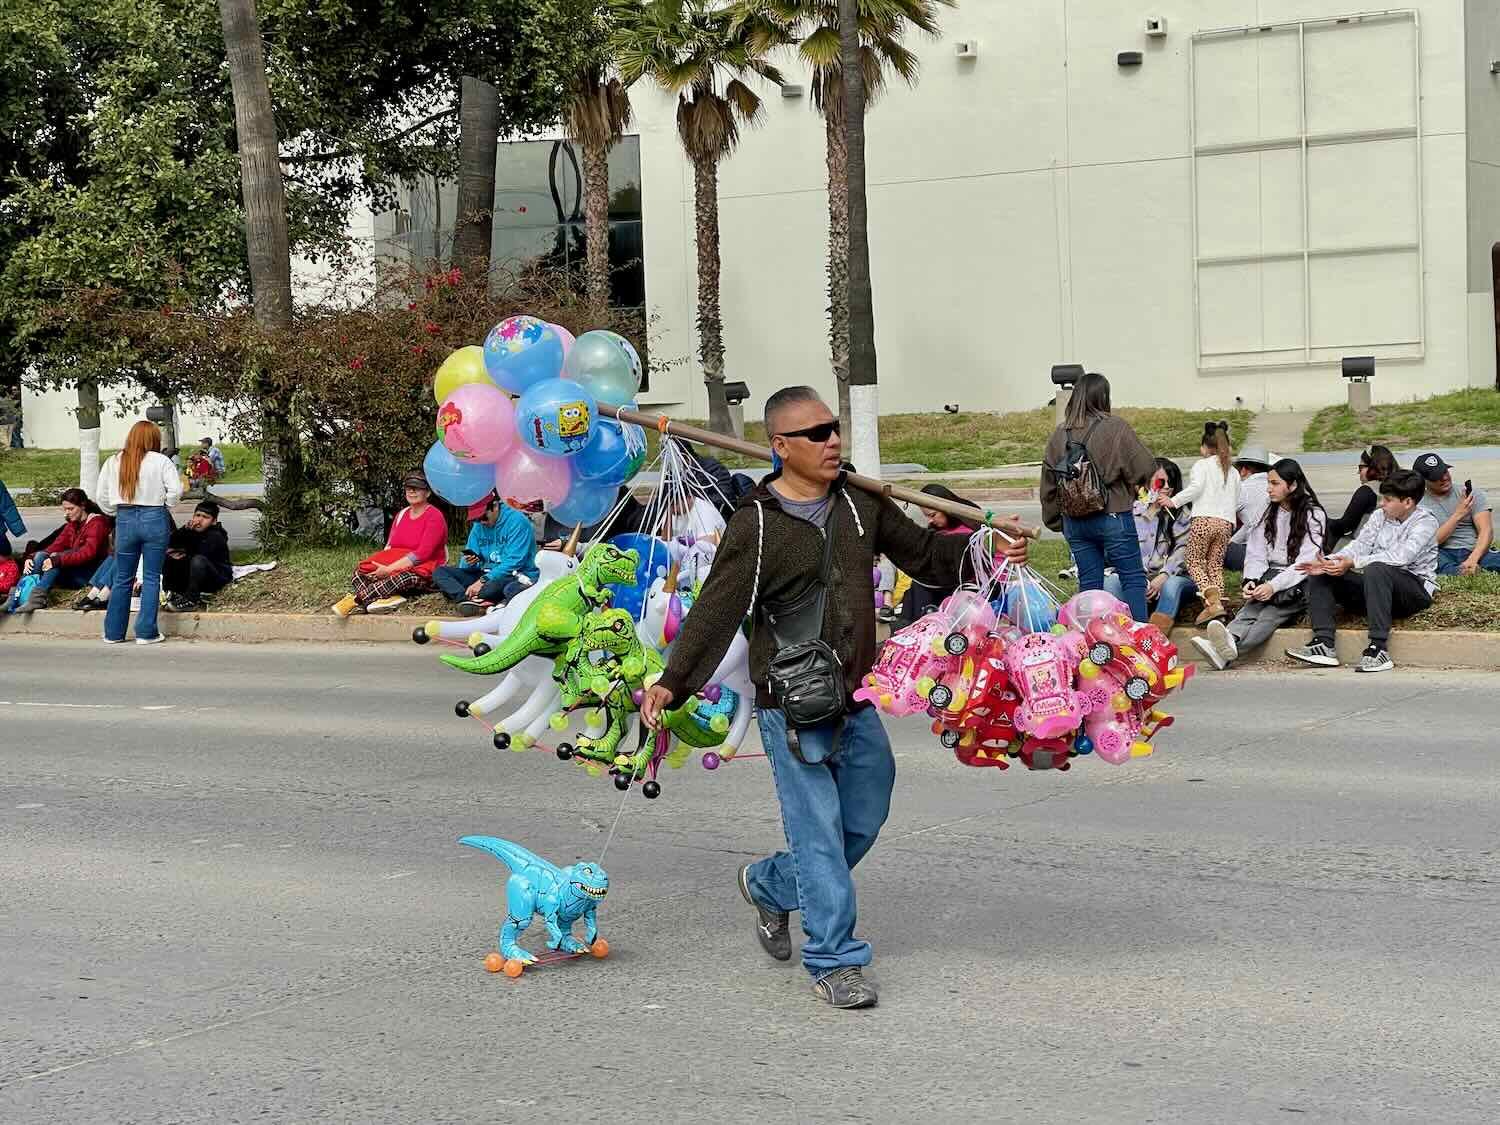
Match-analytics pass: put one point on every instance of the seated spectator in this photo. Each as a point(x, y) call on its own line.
point(66, 558)
point(1253, 464)
point(1466, 525)
point(1389, 572)
point(417, 546)
point(1163, 537)
point(1376, 464)
point(1290, 534)
point(198, 562)
point(920, 598)
point(498, 561)
point(10, 570)
point(214, 454)
point(10, 518)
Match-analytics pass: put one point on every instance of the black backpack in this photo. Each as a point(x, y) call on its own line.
point(1080, 491)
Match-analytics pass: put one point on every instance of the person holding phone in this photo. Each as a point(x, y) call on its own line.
point(1466, 525)
point(497, 563)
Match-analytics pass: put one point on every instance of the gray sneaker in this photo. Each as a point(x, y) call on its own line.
point(770, 925)
point(846, 988)
point(1318, 655)
point(1375, 660)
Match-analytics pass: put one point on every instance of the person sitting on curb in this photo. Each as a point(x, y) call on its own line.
point(416, 546)
point(1290, 533)
point(498, 560)
point(1252, 464)
point(1163, 534)
point(1396, 555)
point(198, 561)
point(66, 558)
point(1466, 525)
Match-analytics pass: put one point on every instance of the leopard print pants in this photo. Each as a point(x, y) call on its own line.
point(1208, 539)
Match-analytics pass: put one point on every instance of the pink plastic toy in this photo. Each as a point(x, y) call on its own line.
point(1082, 608)
point(972, 619)
point(910, 663)
point(1119, 736)
point(1041, 668)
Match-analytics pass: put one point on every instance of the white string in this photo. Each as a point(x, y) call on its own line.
point(611, 837)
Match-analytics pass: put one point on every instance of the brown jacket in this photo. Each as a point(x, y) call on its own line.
point(1123, 464)
point(787, 558)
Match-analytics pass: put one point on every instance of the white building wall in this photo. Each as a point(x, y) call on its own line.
point(1483, 40)
point(1029, 207)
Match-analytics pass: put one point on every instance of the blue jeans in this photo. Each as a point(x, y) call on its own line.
point(140, 533)
point(63, 577)
point(104, 577)
point(1174, 591)
point(454, 582)
point(1451, 558)
point(831, 813)
point(1103, 540)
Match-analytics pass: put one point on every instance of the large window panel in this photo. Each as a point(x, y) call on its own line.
point(1307, 194)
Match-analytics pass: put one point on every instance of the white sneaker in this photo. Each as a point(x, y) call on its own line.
point(156, 640)
point(110, 641)
point(385, 605)
point(1223, 641)
point(1210, 653)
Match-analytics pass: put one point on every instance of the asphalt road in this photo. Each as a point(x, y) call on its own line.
point(231, 891)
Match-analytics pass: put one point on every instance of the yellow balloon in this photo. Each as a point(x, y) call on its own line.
point(466, 365)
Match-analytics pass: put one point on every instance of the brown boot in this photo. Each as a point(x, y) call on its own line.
point(1213, 606)
point(1164, 622)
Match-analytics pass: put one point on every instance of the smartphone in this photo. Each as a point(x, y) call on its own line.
point(1468, 488)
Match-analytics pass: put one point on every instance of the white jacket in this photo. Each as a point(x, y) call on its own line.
point(158, 484)
point(1210, 493)
point(1261, 556)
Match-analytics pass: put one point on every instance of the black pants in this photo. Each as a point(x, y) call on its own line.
point(193, 577)
point(1382, 593)
point(1234, 558)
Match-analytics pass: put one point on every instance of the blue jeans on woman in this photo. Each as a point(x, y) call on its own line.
point(104, 577)
point(1097, 541)
point(831, 812)
point(62, 577)
point(1174, 591)
point(140, 533)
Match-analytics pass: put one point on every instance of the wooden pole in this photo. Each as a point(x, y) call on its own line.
point(670, 427)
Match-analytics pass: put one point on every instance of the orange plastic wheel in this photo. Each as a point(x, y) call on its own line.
point(514, 968)
point(600, 948)
point(494, 963)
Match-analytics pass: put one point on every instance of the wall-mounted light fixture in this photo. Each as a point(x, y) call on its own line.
point(1495, 67)
point(1127, 59)
point(966, 49)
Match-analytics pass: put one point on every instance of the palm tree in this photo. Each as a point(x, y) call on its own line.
point(598, 113)
point(882, 24)
point(701, 51)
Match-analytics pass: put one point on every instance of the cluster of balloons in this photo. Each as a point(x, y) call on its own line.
point(520, 416)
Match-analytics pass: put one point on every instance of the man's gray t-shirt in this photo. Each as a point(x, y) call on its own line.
point(814, 512)
point(1465, 535)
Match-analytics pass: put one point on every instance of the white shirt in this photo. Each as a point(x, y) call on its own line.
point(1210, 492)
point(1410, 545)
point(1254, 500)
point(700, 521)
point(158, 484)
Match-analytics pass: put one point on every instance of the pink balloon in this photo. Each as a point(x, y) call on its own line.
point(567, 338)
point(527, 479)
point(477, 423)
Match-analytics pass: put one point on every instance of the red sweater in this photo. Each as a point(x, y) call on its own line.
point(424, 536)
point(80, 544)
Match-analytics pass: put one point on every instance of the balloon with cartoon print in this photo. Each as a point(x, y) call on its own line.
point(522, 351)
point(555, 418)
point(477, 423)
point(614, 454)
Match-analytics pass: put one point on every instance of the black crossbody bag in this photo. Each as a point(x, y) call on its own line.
point(806, 676)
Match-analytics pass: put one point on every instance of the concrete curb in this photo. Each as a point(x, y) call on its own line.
point(1409, 648)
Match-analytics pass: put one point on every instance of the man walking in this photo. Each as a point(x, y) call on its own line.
point(834, 780)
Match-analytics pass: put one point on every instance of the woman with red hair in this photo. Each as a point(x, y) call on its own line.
point(139, 485)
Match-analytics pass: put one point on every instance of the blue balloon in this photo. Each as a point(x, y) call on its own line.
point(1030, 606)
point(614, 454)
point(458, 482)
point(556, 418)
point(588, 502)
point(521, 352)
point(655, 557)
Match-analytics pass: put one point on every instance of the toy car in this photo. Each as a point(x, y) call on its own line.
point(910, 663)
point(1041, 668)
point(1138, 656)
point(975, 707)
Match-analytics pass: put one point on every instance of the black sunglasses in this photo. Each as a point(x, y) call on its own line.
point(819, 433)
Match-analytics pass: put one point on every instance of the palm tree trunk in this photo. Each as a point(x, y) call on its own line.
point(88, 435)
point(265, 234)
point(838, 265)
point(596, 224)
point(710, 318)
point(479, 136)
point(864, 400)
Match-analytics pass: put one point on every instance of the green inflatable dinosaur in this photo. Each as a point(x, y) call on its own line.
point(556, 617)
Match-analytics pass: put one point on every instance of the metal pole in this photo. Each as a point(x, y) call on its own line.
point(669, 427)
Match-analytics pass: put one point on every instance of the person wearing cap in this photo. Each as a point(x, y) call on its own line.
point(415, 548)
point(197, 562)
point(498, 560)
point(1376, 464)
point(1254, 466)
point(1466, 525)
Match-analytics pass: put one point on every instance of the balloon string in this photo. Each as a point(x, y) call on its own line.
point(611, 838)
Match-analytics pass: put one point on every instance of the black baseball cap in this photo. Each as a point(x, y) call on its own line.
point(208, 508)
point(1431, 466)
